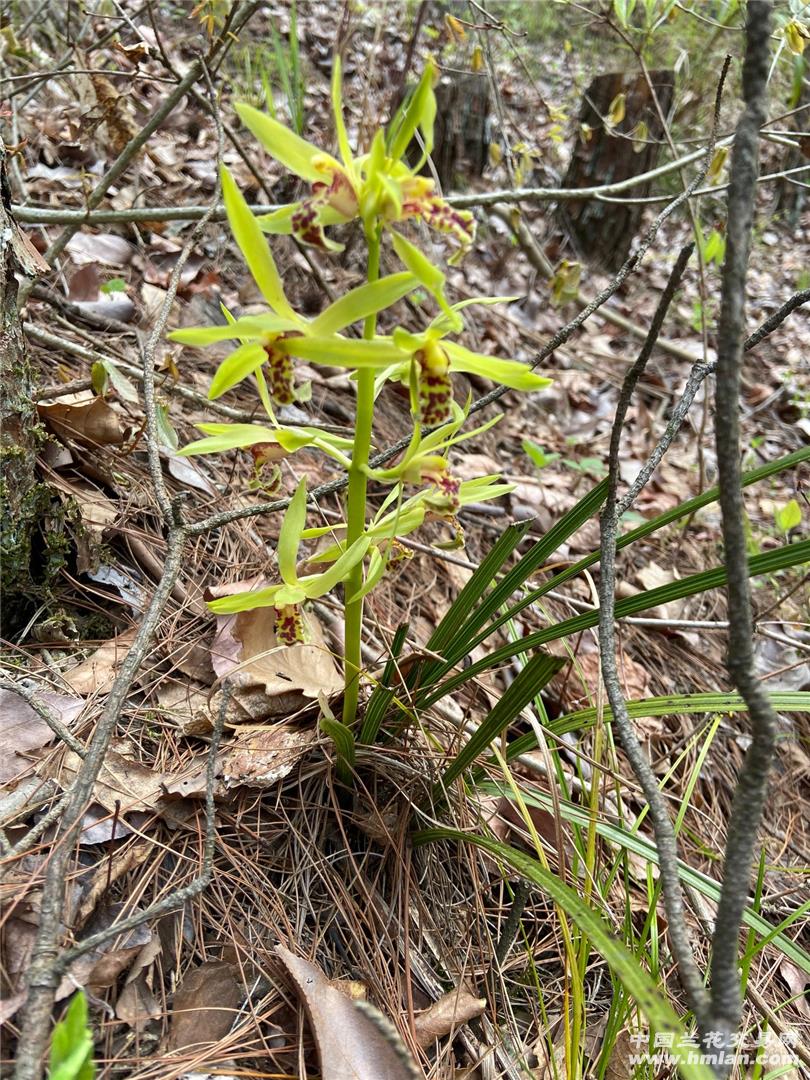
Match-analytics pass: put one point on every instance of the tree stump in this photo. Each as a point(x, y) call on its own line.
point(602, 232)
point(461, 145)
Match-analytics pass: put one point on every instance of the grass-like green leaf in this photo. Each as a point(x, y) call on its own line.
point(671, 705)
point(646, 849)
point(651, 1001)
point(530, 681)
point(769, 562)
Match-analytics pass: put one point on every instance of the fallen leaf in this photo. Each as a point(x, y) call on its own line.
point(83, 417)
point(354, 1040)
point(106, 248)
point(260, 758)
point(186, 707)
point(799, 985)
point(121, 780)
point(619, 1066)
point(96, 674)
point(205, 1005)
point(268, 679)
point(23, 730)
point(653, 576)
point(776, 1058)
point(449, 1012)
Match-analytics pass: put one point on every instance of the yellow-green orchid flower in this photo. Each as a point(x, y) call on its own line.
point(425, 361)
point(262, 335)
point(377, 186)
point(287, 597)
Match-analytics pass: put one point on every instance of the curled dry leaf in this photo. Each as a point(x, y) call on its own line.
point(269, 679)
point(96, 674)
point(121, 780)
point(23, 730)
point(257, 758)
point(83, 417)
point(447, 1014)
point(205, 1005)
point(354, 1040)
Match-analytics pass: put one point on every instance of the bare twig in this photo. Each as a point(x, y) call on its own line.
point(178, 897)
point(777, 318)
point(749, 796)
point(665, 839)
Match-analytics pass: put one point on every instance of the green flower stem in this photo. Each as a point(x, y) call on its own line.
point(356, 501)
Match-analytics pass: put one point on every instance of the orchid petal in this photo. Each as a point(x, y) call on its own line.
point(255, 326)
point(337, 108)
point(284, 145)
point(342, 352)
point(321, 584)
point(509, 373)
point(431, 276)
point(236, 367)
point(419, 112)
point(289, 538)
point(365, 300)
point(250, 239)
point(244, 601)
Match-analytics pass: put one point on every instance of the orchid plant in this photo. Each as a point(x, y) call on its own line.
point(383, 191)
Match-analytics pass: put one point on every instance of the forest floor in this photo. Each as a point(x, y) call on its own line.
point(201, 990)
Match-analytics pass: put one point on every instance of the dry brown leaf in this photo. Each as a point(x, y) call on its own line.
point(96, 674)
point(449, 1012)
point(105, 874)
point(22, 729)
point(121, 780)
point(355, 1042)
point(620, 1066)
point(268, 679)
point(799, 985)
point(205, 1005)
point(107, 248)
point(83, 417)
point(578, 684)
point(260, 757)
point(653, 576)
point(186, 707)
point(97, 514)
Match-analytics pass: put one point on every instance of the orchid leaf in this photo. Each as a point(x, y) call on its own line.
point(236, 367)
point(363, 301)
point(250, 238)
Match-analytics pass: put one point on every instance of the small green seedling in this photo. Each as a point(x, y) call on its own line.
point(72, 1044)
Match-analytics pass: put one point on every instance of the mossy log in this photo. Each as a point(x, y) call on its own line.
point(24, 500)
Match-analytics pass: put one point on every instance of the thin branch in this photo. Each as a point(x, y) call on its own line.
point(777, 318)
point(752, 783)
point(169, 104)
point(180, 896)
point(665, 839)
